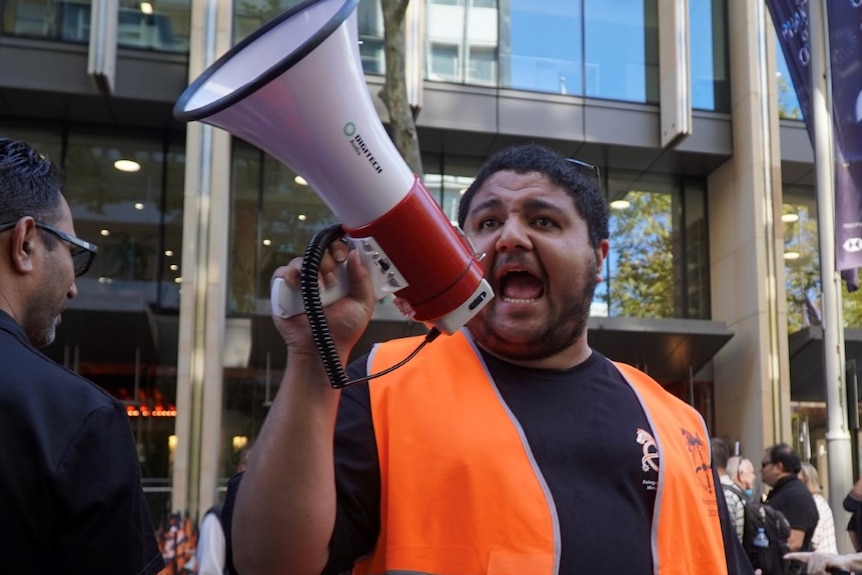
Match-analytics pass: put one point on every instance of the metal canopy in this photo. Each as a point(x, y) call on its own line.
point(806, 361)
point(667, 349)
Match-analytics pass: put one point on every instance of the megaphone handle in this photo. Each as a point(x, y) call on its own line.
point(287, 302)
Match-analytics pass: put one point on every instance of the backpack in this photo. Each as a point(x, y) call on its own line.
point(770, 560)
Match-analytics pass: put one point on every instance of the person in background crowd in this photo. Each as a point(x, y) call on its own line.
point(824, 534)
point(732, 495)
point(741, 470)
point(210, 554)
point(779, 470)
point(508, 447)
point(853, 505)
point(70, 489)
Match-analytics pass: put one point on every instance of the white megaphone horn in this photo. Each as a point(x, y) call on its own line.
point(295, 89)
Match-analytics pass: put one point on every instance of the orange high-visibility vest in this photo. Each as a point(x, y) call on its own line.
point(461, 493)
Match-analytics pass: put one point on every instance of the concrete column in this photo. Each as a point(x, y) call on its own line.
point(752, 372)
point(204, 287)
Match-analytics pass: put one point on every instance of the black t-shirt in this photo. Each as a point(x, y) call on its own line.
point(790, 496)
point(70, 490)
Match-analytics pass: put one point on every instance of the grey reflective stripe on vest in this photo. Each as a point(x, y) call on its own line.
point(541, 478)
point(659, 488)
point(545, 489)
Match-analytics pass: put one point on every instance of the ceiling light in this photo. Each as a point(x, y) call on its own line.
point(127, 165)
point(104, 232)
point(792, 255)
point(169, 253)
point(790, 218)
point(174, 267)
point(146, 8)
point(301, 217)
point(620, 204)
point(300, 180)
point(139, 206)
point(267, 242)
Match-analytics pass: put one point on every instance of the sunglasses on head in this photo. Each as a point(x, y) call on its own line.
point(589, 169)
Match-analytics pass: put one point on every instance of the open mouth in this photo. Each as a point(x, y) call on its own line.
point(520, 286)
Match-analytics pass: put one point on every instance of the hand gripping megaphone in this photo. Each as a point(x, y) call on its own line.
point(295, 89)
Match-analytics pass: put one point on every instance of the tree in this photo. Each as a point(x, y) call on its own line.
point(641, 282)
point(394, 91)
point(786, 97)
point(802, 274)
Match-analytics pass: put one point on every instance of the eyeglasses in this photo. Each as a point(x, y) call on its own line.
point(83, 252)
point(763, 464)
point(591, 169)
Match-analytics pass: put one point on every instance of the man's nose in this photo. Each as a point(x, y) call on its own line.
point(73, 291)
point(513, 235)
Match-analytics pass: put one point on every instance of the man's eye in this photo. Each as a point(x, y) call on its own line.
point(543, 222)
point(488, 223)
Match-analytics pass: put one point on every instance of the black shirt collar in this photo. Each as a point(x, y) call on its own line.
point(8, 324)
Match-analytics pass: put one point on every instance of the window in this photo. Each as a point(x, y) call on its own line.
point(541, 49)
point(621, 41)
point(483, 66)
point(658, 264)
point(444, 62)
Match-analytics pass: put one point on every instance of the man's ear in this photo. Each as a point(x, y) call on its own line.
point(601, 255)
point(21, 245)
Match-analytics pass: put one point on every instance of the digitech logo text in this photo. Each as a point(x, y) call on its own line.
point(359, 146)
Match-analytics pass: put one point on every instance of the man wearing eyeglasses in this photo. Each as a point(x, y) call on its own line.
point(70, 489)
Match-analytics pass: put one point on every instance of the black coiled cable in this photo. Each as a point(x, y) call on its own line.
point(310, 292)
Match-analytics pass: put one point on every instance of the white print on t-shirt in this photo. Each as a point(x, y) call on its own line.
point(650, 458)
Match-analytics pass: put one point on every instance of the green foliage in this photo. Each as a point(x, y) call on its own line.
point(785, 91)
point(641, 258)
point(802, 273)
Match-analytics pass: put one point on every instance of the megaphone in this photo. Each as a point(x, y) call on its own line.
point(295, 89)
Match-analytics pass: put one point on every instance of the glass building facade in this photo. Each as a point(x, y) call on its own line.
point(583, 76)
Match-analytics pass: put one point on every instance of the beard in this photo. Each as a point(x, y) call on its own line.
point(41, 319)
point(563, 326)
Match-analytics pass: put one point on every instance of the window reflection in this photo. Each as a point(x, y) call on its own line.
point(541, 46)
point(658, 260)
point(788, 103)
point(148, 24)
point(119, 209)
point(801, 257)
point(274, 216)
point(370, 25)
point(461, 42)
point(249, 15)
point(621, 50)
point(708, 43)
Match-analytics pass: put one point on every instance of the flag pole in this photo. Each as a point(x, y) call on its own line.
point(837, 435)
